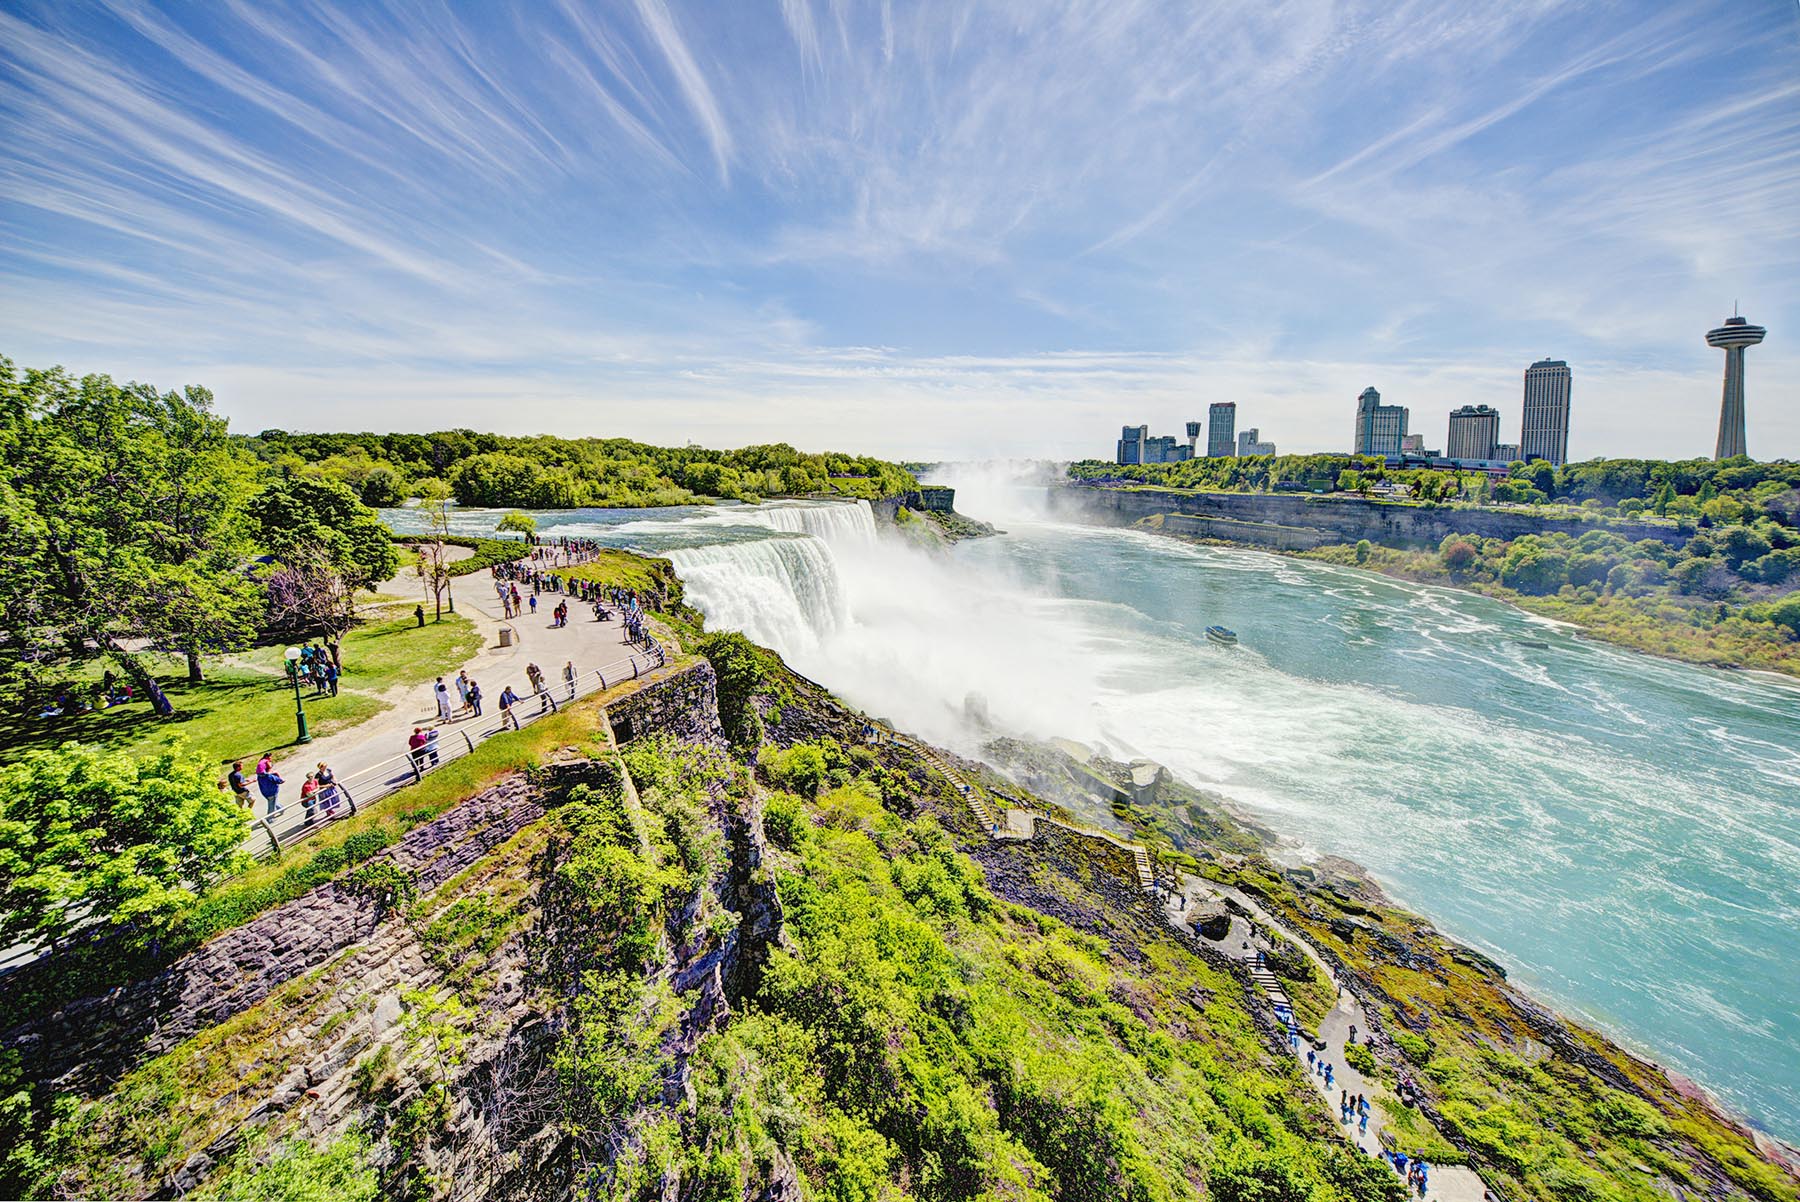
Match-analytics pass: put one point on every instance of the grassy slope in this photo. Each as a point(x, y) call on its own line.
point(917, 1034)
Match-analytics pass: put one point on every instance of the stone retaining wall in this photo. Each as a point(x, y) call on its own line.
point(92, 1041)
point(1263, 534)
point(684, 705)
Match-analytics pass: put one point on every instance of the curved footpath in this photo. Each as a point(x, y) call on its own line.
point(587, 643)
point(1446, 1183)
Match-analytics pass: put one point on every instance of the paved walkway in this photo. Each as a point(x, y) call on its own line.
point(588, 643)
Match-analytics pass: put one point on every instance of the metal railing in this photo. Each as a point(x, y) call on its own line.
point(271, 835)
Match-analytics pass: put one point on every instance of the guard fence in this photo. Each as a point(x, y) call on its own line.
point(297, 821)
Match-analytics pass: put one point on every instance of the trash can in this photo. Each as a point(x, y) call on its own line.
point(506, 636)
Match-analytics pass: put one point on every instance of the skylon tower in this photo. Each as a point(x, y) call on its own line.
point(1733, 337)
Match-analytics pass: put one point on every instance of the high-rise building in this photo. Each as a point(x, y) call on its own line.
point(1474, 432)
point(1221, 430)
point(1507, 452)
point(1193, 433)
point(1131, 444)
point(1250, 443)
point(1544, 434)
point(1379, 428)
point(1733, 337)
point(1412, 444)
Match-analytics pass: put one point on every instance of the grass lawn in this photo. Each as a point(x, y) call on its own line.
point(245, 708)
point(389, 651)
point(620, 568)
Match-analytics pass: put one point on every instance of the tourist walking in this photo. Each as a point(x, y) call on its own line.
point(240, 784)
point(309, 796)
point(475, 698)
point(462, 689)
point(268, 783)
point(507, 699)
point(442, 692)
point(569, 678)
point(415, 747)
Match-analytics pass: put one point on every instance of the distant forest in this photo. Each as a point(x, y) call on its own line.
point(545, 472)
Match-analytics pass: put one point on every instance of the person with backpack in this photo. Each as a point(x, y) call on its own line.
point(268, 783)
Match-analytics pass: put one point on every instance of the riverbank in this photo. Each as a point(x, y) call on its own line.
point(1660, 626)
point(1497, 1075)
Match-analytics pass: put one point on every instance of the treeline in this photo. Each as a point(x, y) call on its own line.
point(131, 521)
point(1707, 491)
point(546, 472)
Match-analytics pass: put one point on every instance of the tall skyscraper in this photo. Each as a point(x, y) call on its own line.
point(1379, 428)
point(1221, 430)
point(1733, 337)
point(1133, 442)
point(1544, 433)
point(1474, 432)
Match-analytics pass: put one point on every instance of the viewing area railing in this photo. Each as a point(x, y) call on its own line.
point(270, 836)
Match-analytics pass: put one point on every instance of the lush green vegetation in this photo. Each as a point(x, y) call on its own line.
point(1729, 596)
point(86, 832)
point(916, 1036)
point(130, 519)
point(546, 472)
point(914, 1031)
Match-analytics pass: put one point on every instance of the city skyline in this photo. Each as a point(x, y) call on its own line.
point(808, 222)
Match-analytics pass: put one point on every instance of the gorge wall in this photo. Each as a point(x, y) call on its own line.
point(1296, 522)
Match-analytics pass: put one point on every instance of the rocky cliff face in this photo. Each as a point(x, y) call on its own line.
point(1297, 522)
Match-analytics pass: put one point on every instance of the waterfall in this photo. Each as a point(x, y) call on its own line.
point(851, 523)
point(783, 591)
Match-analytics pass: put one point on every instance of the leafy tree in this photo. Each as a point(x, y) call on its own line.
point(126, 841)
point(516, 522)
point(434, 557)
point(327, 545)
point(123, 523)
point(1363, 548)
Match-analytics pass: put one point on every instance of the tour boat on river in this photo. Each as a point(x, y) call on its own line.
point(1219, 634)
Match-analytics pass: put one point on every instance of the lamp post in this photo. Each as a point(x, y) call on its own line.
point(292, 656)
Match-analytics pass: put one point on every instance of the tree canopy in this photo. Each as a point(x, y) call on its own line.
point(545, 472)
point(85, 832)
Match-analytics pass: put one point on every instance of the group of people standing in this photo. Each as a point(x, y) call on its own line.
point(316, 667)
point(319, 792)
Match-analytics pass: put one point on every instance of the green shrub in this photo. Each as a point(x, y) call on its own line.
point(785, 821)
point(1416, 1047)
point(1359, 1057)
point(363, 844)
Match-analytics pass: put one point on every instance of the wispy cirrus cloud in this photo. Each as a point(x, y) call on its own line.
point(1116, 209)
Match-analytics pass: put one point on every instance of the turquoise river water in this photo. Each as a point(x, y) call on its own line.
point(1621, 831)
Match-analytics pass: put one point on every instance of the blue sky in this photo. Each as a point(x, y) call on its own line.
point(919, 229)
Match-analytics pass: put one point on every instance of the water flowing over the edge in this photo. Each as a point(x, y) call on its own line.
point(1612, 827)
